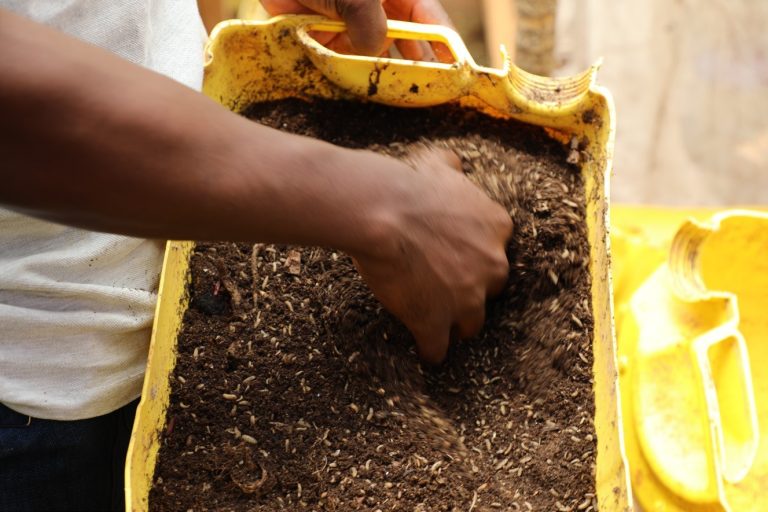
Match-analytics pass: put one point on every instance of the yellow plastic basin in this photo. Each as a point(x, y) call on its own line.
point(251, 61)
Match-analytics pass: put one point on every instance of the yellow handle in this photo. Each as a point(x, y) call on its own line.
point(722, 354)
point(395, 30)
point(391, 81)
point(729, 397)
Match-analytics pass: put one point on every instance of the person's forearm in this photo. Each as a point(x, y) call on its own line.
point(91, 140)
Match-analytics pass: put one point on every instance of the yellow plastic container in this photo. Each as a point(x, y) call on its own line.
point(251, 61)
point(691, 322)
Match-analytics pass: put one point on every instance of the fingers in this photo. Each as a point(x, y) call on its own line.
point(506, 227)
point(498, 279)
point(428, 11)
point(277, 7)
point(425, 51)
point(431, 12)
point(416, 50)
point(341, 44)
point(470, 323)
point(324, 38)
point(366, 24)
point(432, 340)
point(499, 275)
point(365, 19)
point(442, 53)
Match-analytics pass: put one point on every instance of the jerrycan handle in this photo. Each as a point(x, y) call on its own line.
point(728, 390)
point(398, 82)
point(722, 358)
point(396, 29)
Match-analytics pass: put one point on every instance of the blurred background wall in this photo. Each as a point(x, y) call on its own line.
point(690, 81)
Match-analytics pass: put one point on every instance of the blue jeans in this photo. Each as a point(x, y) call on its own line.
point(63, 465)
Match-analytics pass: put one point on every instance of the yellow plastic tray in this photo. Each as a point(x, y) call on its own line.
point(251, 61)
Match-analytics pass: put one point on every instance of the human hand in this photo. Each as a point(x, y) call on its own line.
point(366, 21)
point(443, 255)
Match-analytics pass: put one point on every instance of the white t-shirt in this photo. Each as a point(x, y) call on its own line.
point(76, 307)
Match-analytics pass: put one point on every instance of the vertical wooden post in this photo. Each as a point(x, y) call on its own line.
point(536, 36)
point(500, 20)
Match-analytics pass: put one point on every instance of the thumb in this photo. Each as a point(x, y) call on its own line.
point(365, 19)
point(432, 341)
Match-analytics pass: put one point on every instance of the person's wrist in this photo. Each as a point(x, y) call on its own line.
point(377, 214)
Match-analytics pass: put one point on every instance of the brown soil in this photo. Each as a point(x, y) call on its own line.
point(294, 390)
